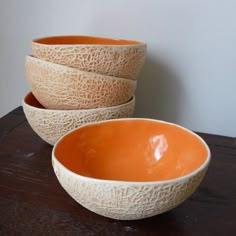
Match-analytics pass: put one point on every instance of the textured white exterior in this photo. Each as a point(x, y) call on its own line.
point(126, 201)
point(123, 61)
point(61, 87)
point(51, 125)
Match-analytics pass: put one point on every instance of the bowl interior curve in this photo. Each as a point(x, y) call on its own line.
point(32, 101)
point(57, 40)
point(132, 150)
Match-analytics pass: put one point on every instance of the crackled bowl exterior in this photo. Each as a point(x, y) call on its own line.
point(113, 57)
point(51, 125)
point(60, 87)
point(127, 200)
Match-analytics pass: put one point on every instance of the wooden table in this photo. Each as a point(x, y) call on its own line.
point(33, 203)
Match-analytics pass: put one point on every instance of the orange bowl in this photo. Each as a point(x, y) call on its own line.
point(114, 57)
point(51, 125)
point(130, 168)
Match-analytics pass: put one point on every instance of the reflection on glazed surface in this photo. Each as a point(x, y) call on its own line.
point(132, 150)
point(159, 146)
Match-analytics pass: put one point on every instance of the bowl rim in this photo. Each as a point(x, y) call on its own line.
point(131, 101)
point(30, 58)
point(123, 182)
point(136, 44)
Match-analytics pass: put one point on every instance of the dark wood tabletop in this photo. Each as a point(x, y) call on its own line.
point(33, 203)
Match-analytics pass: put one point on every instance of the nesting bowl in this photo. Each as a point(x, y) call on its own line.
point(114, 57)
point(51, 125)
point(60, 87)
point(130, 169)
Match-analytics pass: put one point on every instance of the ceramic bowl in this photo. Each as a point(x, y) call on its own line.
point(61, 87)
point(114, 57)
point(50, 125)
point(130, 169)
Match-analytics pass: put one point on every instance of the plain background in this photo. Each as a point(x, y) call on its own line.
point(190, 74)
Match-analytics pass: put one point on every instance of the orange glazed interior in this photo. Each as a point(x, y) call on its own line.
point(32, 101)
point(84, 40)
point(131, 150)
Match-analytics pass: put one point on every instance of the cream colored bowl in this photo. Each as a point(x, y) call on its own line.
point(114, 57)
point(50, 125)
point(130, 169)
point(60, 87)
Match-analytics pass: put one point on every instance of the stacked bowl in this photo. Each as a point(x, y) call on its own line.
point(75, 80)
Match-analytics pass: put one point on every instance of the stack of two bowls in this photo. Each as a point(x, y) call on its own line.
point(77, 80)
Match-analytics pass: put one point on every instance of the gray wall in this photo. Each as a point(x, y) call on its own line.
point(190, 74)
